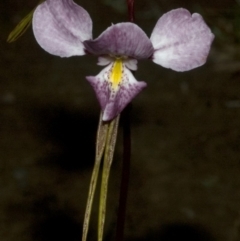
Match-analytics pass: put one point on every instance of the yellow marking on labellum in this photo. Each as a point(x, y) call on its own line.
point(116, 73)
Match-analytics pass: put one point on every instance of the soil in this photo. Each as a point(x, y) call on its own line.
point(185, 169)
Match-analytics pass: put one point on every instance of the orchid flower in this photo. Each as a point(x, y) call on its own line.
point(179, 41)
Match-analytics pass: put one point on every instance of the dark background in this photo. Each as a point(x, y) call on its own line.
point(185, 171)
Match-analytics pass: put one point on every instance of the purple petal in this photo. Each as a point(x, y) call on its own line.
point(181, 41)
point(131, 64)
point(61, 26)
point(113, 101)
point(104, 60)
point(122, 39)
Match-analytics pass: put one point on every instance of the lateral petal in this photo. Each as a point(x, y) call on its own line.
point(181, 41)
point(122, 39)
point(61, 26)
point(113, 101)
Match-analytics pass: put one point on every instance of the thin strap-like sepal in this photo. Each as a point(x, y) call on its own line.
point(108, 157)
point(100, 146)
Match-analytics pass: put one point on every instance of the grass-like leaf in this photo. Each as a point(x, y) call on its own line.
point(22, 26)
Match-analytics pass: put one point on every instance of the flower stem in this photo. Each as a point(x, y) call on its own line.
point(126, 154)
point(130, 4)
point(125, 173)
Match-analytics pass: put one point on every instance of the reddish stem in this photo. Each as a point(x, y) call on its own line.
point(125, 173)
point(130, 4)
point(126, 155)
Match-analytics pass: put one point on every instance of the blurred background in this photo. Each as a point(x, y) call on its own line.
point(185, 170)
